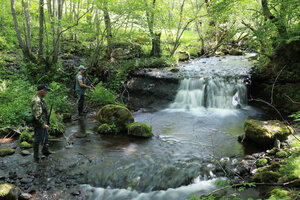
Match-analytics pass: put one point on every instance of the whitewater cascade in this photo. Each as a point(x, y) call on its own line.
point(210, 92)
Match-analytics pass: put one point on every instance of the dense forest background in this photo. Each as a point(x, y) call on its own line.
point(45, 41)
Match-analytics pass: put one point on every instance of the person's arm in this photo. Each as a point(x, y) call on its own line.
point(82, 84)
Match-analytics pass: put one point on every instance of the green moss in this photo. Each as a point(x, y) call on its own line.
point(4, 152)
point(140, 129)
point(275, 166)
point(266, 176)
point(282, 154)
point(273, 151)
point(104, 129)
point(279, 193)
point(25, 145)
point(261, 162)
point(117, 115)
point(26, 136)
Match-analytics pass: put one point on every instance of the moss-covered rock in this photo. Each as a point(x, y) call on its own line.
point(265, 132)
point(104, 129)
point(116, 115)
point(5, 152)
point(282, 154)
point(273, 151)
point(9, 192)
point(266, 176)
point(261, 162)
point(279, 193)
point(25, 145)
point(275, 166)
point(140, 129)
point(67, 116)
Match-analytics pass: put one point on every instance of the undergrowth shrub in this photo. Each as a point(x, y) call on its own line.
point(100, 96)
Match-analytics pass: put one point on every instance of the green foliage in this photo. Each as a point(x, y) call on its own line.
point(57, 126)
point(15, 98)
point(296, 116)
point(58, 97)
point(100, 96)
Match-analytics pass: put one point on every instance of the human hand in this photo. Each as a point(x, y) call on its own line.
point(89, 87)
point(46, 127)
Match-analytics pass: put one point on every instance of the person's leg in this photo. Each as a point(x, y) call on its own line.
point(80, 103)
point(36, 143)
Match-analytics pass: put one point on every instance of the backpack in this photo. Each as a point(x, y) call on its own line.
point(28, 117)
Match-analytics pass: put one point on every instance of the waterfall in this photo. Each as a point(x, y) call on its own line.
point(212, 92)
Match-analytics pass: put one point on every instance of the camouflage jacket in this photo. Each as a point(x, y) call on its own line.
point(40, 111)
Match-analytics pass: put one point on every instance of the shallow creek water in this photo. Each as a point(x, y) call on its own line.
point(189, 134)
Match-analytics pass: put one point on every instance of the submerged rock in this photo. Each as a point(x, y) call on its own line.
point(266, 132)
point(117, 115)
point(140, 129)
point(5, 152)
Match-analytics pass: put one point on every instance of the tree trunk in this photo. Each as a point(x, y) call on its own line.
point(41, 29)
point(156, 51)
point(27, 54)
point(108, 30)
point(281, 28)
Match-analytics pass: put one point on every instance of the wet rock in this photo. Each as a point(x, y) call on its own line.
point(266, 176)
point(9, 192)
point(80, 135)
point(117, 115)
point(25, 196)
point(67, 116)
point(25, 153)
point(174, 69)
point(140, 129)
point(5, 152)
point(2, 174)
point(266, 132)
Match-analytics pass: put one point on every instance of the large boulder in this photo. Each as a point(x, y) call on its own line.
point(266, 132)
point(140, 129)
point(116, 115)
point(9, 192)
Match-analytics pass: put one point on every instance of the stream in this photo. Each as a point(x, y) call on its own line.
point(199, 127)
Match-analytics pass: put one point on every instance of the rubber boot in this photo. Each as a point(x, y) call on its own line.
point(36, 152)
point(45, 150)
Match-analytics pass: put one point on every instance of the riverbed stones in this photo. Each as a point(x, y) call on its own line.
point(140, 129)
point(9, 192)
point(266, 132)
point(116, 115)
point(5, 152)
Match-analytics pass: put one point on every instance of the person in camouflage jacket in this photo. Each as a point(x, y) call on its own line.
point(40, 113)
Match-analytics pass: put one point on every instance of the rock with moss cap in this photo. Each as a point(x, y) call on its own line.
point(25, 145)
point(120, 116)
point(140, 129)
point(282, 154)
point(266, 176)
point(261, 162)
point(104, 129)
point(266, 132)
point(5, 152)
point(9, 191)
